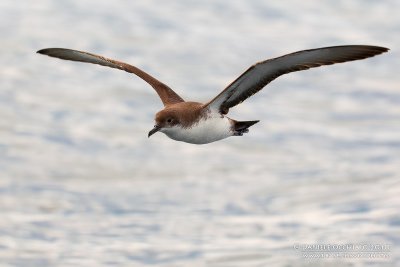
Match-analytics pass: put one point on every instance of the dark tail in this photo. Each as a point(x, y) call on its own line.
point(241, 127)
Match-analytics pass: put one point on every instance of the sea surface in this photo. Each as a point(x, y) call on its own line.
point(82, 185)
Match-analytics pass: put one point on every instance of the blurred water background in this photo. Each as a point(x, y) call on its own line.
point(82, 185)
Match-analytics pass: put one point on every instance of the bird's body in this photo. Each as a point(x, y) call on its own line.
point(209, 129)
point(198, 123)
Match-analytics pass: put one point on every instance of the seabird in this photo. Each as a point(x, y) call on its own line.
point(202, 123)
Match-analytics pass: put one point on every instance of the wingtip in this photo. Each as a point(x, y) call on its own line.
point(48, 51)
point(42, 51)
point(383, 49)
point(380, 49)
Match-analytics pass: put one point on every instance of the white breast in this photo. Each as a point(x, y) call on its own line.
point(205, 131)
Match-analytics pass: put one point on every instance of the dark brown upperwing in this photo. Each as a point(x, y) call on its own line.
point(167, 95)
point(262, 73)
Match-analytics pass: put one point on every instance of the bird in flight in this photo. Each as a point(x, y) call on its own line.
point(200, 123)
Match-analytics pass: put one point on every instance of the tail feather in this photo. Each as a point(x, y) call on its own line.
point(241, 127)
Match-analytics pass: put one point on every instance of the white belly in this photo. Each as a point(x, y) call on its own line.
point(205, 131)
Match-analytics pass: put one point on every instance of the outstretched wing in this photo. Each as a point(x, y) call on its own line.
point(167, 95)
point(262, 73)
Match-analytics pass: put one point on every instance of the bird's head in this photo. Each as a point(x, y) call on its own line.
point(165, 119)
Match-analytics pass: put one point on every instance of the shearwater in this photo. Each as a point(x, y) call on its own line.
point(199, 123)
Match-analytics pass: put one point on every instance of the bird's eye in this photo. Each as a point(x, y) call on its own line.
point(169, 120)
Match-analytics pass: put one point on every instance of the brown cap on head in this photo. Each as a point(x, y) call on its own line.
point(166, 118)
